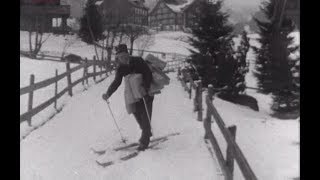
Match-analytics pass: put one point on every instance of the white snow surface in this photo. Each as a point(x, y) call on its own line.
point(169, 42)
point(42, 70)
point(61, 148)
point(271, 146)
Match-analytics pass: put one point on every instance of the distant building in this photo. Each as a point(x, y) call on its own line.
point(167, 15)
point(174, 14)
point(124, 11)
point(44, 15)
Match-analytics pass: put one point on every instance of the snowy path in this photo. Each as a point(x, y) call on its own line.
point(61, 148)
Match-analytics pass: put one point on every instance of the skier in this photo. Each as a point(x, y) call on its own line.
point(126, 65)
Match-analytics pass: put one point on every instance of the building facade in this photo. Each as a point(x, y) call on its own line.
point(44, 16)
point(174, 14)
point(166, 16)
point(124, 12)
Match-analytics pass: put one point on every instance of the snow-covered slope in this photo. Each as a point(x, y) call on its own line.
point(271, 146)
point(171, 42)
point(61, 148)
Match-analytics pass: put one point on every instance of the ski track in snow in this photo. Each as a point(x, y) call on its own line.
point(61, 148)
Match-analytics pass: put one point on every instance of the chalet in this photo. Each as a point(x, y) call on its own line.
point(174, 14)
point(167, 15)
point(48, 15)
point(124, 11)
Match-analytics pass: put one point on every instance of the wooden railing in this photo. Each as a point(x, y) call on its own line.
point(174, 65)
point(174, 60)
point(233, 151)
point(30, 90)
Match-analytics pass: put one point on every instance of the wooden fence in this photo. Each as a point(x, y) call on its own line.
point(99, 69)
point(233, 151)
point(174, 65)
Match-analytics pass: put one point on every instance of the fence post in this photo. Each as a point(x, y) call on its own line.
point(69, 78)
point(207, 120)
point(200, 100)
point(84, 73)
point(100, 65)
point(30, 101)
point(86, 70)
point(195, 99)
point(230, 154)
point(190, 90)
point(94, 68)
point(56, 91)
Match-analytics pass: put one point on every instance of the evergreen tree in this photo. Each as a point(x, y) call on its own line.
point(238, 84)
point(273, 65)
point(212, 37)
point(91, 24)
point(295, 103)
point(216, 61)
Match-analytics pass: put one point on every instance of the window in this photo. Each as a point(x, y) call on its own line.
point(161, 5)
point(292, 4)
point(56, 22)
point(166, 10)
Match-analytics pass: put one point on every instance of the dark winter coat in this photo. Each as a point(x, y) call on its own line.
point(136, 65)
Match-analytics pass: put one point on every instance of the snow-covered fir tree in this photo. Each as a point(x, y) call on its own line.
point(212, 37)
point(217, 62)
point(273, 64)
point(238, 86)
point(91, 24)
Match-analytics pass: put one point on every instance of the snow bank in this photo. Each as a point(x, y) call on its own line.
point(271, 146)
point(56, 43)
point(43, 70)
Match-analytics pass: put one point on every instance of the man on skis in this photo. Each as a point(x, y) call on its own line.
point(126, 65)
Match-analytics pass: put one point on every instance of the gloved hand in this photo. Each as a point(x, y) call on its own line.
point(105, 97)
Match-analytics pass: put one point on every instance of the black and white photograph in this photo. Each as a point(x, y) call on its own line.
point(159, 89)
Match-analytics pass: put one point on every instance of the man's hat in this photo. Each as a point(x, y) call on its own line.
point(121, 48)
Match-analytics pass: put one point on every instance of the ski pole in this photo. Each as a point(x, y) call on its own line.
point(115, 122)
point(145, 105)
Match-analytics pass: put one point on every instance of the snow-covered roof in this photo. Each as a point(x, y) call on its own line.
point(98, 3)
point(138, 3)
point(178, 6)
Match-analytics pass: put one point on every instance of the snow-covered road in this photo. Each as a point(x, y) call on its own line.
point(60, 150)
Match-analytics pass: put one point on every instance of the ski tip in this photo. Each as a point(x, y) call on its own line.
point(132, 155)
point(105, 164)
point(98, 152)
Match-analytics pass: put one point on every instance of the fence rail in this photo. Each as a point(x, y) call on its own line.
point(176, 61)
point(32, 111)
point(233, 151)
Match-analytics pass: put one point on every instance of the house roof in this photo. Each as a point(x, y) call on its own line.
point(99, 2)
point(137, 3)
point(176, 6)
